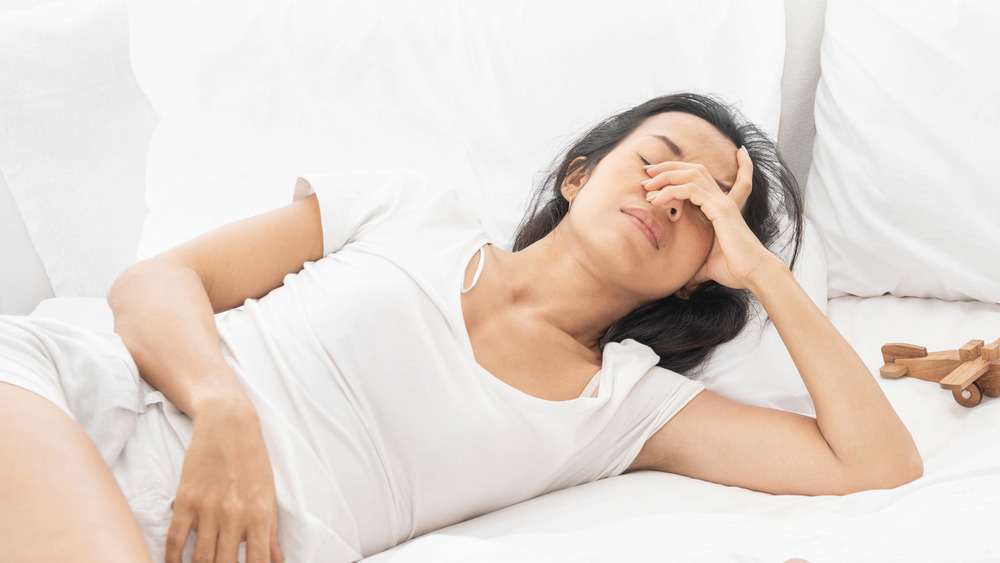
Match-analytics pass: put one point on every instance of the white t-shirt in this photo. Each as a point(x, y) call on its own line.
point(380, 424)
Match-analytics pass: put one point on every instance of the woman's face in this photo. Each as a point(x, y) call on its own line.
point(646, 250)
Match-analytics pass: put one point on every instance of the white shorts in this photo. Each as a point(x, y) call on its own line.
point(92, 377)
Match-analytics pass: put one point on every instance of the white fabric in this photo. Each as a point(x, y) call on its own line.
point(947, 515)
point(74, 129)
point(88, 375)
point(85, 312)
point(911, 529)
point(479, 270)
point(363, 355)
point(905, 183)
point(591, 387)
point(480, 95)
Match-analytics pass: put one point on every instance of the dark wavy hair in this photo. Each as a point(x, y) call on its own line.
point(683, 332)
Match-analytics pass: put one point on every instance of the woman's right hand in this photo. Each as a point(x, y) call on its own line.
point(736, 253)
point(226, 490)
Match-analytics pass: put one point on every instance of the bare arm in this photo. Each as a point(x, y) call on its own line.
point(164, 306)
point(163, 309)
point(856, 441)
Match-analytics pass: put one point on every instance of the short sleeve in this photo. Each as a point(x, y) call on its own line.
point(674, 392)
point(644, 397)
point(353, 203)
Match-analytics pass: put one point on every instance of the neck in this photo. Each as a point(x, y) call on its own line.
point(553, 281)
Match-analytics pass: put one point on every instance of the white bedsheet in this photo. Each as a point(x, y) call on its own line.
point(950, 514)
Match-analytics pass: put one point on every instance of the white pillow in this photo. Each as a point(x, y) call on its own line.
point(481, 95)
point(74, 129)
point(905, 181)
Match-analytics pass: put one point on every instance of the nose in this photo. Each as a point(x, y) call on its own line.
point(674, 209)
point(678, 210)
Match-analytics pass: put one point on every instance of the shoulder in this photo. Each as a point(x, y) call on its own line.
point(374, 187)
point(631, 359)
point(393, 205)
point(634, 378)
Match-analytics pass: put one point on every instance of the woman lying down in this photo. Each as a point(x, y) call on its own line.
point(393, 372)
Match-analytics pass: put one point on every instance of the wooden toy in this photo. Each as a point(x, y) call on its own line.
point(969, 372)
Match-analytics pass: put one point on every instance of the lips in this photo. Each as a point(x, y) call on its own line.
point(647, 225)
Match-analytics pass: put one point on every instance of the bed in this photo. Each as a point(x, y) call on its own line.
point(126, 127)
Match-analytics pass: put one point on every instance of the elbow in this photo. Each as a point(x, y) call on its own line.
point(119, 288)
point(902, 467)
point(901, 472)
point(890, 473)
point(909, 471)
point(124, 284)
point(906, 472)
point(141, 281)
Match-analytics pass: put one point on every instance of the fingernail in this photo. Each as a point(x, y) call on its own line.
point(652, 196)
point(644, 182)
point(648, 166)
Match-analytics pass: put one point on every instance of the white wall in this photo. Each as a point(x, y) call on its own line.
point(11, 5)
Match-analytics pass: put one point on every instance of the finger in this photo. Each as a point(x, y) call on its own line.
point(671, 193)
point(204, 546)
point(671, 177)
point(257, 545)
point(693, 198)
point(177, 534)
point(227, 545)
point(744, 178)
point(692, 192)
point(276, 554)
point(667, 165)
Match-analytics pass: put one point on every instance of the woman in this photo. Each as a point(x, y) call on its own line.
point(393, 372)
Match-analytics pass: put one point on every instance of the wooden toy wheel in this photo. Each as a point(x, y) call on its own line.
point(970, 396)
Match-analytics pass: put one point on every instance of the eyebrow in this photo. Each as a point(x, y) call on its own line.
point(680, 154)
point(670, 145)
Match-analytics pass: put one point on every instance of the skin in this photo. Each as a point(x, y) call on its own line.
point(534, 319)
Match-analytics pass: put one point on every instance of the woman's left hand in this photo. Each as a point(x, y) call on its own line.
point(226, 491)
point(736, 252)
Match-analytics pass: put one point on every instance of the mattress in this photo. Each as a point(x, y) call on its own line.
point(950, 514)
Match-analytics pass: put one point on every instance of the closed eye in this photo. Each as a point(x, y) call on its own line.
point(644, 161)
